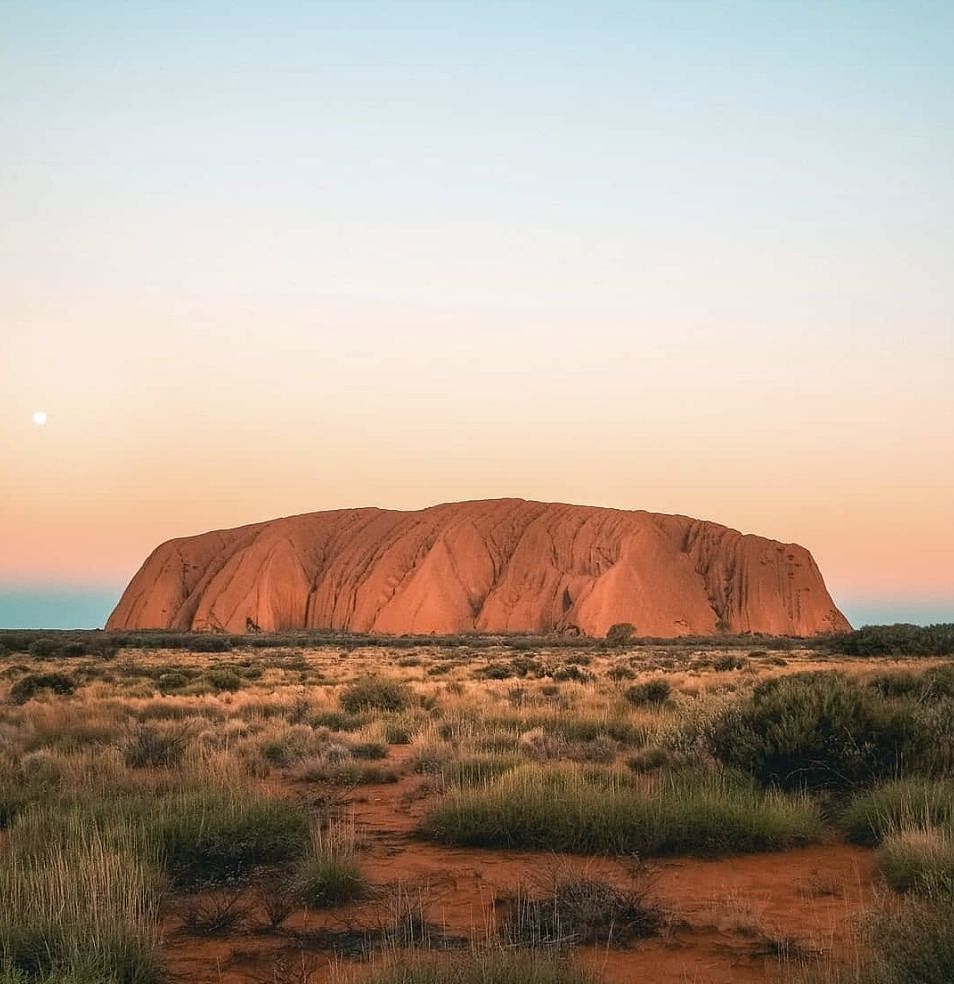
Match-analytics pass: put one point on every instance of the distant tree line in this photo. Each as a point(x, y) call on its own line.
point(870, 640)
point(895, 640)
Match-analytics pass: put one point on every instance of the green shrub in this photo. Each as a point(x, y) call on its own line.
point(725, 662)
point(478, 769)
point(620, 634)
point(329, 875)
point(650, 692)
point(330, 879)
point(919, 859)
point(587, 810)
point(208, 836)
point(580, 911)
point(338, 721)
point(369, 750)
point(292, 744)
point(571, 671)
point(876, 812)
point(168, 683)
point(815, 730)
point(913, 944)
point(928, 686)
point(153, 747)
point(480, 967)
point(35, 683)
point(496, 671)
point(44, 648)
point(895, 640)
point(397, 732)
point(78, 910)
point(375, 694)
point(222, 678)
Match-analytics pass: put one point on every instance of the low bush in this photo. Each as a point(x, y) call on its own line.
point(329, 874)
point(578, 911)
point(32, 684)
point(651, 692)
point(169, 683)
point(78, 910)
point(480, 967)
point(814, 730)
point(284, 745)
point(149, 746)
point(329, 880)
point(478, 769)
point(874, 813)
point(725, 662)
point(927, 686)
point(375, 694)
point(369, 750)
point(895, 640)
point(919, 859)
point(346, 772)
point(213, 835)
point(223, 679)
point(338, 721)
point(620, 634)
point(913, 944)
point(44, 648)
point(587, 810)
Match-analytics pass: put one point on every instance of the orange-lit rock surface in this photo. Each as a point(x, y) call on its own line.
point(501, 565)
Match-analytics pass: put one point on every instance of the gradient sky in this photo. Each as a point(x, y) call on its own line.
point(260, 259)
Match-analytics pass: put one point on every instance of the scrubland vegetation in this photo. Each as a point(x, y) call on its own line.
point(158, 792)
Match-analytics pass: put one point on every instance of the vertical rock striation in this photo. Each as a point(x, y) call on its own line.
point(501, 565)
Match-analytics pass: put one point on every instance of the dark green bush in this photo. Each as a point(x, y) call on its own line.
point(572, 672)
point(895, 640)
point(488, 967)
point(929, 686)
point(816, 730)
point(375, 694)
point(44, 648)
point(169, 683)
point(620, 634)
point(728, 661)
point(876, 812)
point(913, 944)
point(330, 879)
point(650, 692)
point(590, 811)
point(212, 836)
point(583, 911)
point(35, 683)
point(153, 747)
point(222, 678)
point(497, 671)
point(338, 721)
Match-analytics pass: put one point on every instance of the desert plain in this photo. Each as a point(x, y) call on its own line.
point(316, 807)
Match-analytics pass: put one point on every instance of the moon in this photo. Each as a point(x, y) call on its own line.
point(39, 418)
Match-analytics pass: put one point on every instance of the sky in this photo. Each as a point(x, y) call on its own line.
point(688, 256)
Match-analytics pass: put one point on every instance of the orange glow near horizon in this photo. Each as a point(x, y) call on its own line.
point(135, 453)
point(688, 258)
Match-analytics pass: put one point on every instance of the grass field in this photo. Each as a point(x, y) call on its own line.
point(309, 809)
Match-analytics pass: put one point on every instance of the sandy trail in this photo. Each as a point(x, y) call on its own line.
point(727, 917)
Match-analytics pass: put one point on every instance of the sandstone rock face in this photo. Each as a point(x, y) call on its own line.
point(503, 565)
